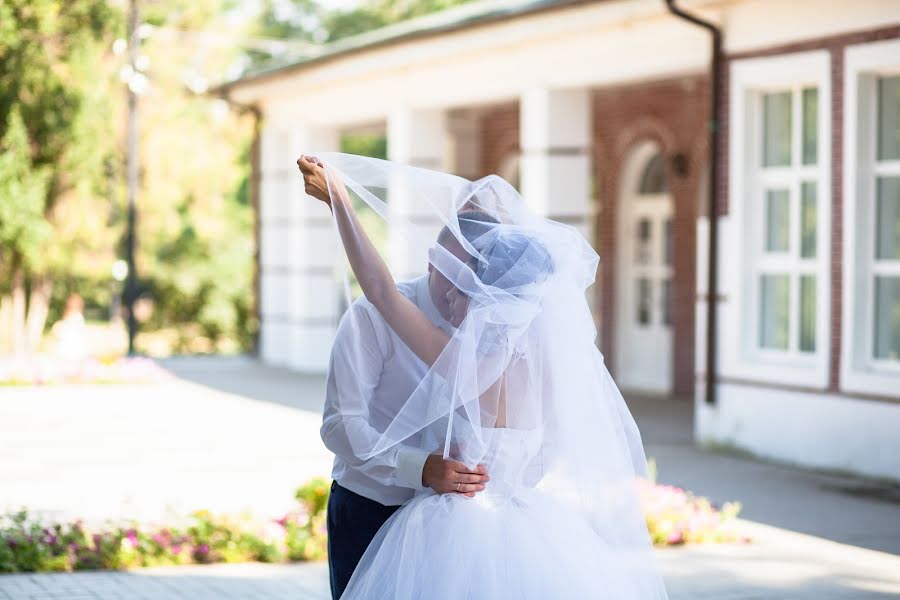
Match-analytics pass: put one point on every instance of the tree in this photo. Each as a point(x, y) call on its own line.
point(313, 21)
point(55, 131)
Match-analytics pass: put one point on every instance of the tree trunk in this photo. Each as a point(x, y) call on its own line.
point(5, 324)
point(38, 306)
point(18, 312)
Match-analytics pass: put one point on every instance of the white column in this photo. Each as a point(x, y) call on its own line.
point(297, 253)
point(555, 166)
point(274, 272)
point(314, 250)
point(418, 138)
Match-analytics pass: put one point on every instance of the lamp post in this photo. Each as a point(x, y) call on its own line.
point(135, 83)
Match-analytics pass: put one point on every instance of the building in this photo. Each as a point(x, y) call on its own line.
point(599, 112)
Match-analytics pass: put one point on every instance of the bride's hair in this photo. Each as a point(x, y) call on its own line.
point(473, 224)
point(514, 259)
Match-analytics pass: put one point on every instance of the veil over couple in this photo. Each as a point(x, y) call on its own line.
point(482, 449)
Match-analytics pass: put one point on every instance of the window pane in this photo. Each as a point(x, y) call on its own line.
point(668, 241)
point(887, 318)
point(777, 129)
point(643, 301)
point(653, 179)
point(810, 126)
point(889, 118)
point(887, 219)
point(807, 313)
point(774, 306)
point(642, 239)
point(808, 219)
point(777, 220)
point(667, 301)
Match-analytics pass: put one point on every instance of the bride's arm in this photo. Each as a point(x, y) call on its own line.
point(404, 317)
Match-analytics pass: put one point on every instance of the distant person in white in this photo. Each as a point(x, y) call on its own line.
point(365, 494)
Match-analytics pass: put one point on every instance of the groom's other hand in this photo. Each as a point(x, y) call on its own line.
point(447, 476)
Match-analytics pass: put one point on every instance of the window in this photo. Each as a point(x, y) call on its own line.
point(777, 313)
point(786, 178)
point(871, 355)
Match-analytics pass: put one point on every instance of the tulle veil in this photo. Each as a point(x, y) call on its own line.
point(524, 356)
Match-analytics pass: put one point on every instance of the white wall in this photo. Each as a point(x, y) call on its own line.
point(754, 24)
point(810, 429)
point(595, 44)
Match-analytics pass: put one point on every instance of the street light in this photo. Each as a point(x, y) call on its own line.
point(136, 82)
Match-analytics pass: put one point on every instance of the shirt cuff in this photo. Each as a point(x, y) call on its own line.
point(410, 463)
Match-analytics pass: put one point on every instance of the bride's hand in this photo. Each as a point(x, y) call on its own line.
point(314, 178)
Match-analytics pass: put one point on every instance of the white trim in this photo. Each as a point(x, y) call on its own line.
point(861, 63)
point(741, 357)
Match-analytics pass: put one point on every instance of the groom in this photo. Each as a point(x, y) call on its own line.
point(371, 374)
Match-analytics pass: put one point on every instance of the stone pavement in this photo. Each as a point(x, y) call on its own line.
point(213, 582)
point(780, 565)
point(850, 510)
point(231, 435)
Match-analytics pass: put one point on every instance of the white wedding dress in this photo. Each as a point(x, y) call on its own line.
point(509, 541)
point(560, 517)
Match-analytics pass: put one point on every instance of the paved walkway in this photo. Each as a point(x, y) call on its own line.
point(232, 435)
point(844, 509)
point(229, 435)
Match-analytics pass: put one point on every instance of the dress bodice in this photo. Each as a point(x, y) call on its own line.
point(510, 454)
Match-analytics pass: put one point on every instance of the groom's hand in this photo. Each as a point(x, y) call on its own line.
point(447, 476)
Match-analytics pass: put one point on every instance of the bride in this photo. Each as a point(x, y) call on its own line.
point(516, 384)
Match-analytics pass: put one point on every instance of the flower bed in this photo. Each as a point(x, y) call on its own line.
point(49, 370)
point(673, 517)
point(26, 545)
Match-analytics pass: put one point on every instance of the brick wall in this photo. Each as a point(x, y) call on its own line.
point(672, 113)
point(499, 136)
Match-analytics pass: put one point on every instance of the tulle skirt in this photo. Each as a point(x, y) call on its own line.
point(527, 547)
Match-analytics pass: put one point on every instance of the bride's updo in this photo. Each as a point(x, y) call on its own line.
point(515, 259)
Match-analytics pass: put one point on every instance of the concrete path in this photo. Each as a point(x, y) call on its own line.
point(231, 435)
point(844, 509)
point(228, 435)
point(778, 566)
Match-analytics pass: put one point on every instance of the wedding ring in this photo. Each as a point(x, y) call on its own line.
point(458, 485)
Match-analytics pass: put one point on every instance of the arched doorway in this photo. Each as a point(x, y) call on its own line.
point(644, 267)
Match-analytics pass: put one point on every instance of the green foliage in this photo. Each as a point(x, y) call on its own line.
point(57, 129)
point(306, 536)
point(380, 13)
point(23, 190)
point(313, 495)
point(314, 21)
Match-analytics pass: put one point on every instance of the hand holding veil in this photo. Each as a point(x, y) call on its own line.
point(522, 353)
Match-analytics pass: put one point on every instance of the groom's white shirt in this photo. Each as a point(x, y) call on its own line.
point(368, 387)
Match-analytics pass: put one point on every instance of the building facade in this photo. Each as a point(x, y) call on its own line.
point(599, 113)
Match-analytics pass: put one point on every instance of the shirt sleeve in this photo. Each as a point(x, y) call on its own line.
point(357, 359)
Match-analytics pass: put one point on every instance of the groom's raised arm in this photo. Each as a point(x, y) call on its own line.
point(357, 360)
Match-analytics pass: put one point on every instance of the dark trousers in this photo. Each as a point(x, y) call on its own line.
point(353, 521)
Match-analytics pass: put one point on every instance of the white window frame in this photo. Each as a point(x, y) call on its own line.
point(860, 371)
point(741, 355)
